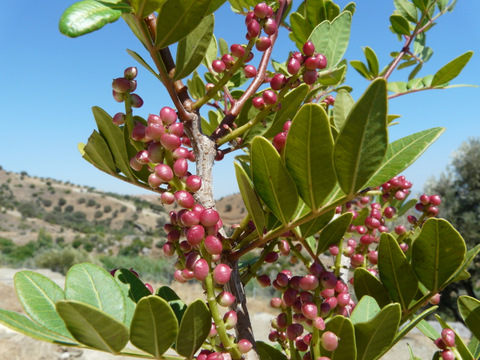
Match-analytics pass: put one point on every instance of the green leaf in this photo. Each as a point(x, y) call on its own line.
point(413, 323)
point(86, 16)
point(406, 9)
point(98, 153)
point(474, 347)
point(400, 25)
point(469, 309)
point(372, 61)
point(343, 105)
point(192, 49)
point(143, 8)
point(308, 154)
point(451, 70)
point(333, 76)
point(250, 198)
point(395, 271)
point(138, 290)
point(366, 284)
point(362, 69)
point(362, 143)
point(113, 135)
point(222, 44)
point(333, 233)
point(301, 29)
point(272, 181)
point(314, 226)
point(290, 104)
point(343, 328)
point(437, 253)
point(38, 295)
point(22, 324)
point(178, 18)
point(470, 256)
point(154, 326)
point(268, 352)
point(167, 293)
point(92, 327)
point(93, 285)
point(374, 337)
point(211, 53)
point(128, 298)
point(142, 62)
point(365, 310)
point(428, 330)
point(194, 329)
point(402, 153)
point(397, 86)
point(331, 39)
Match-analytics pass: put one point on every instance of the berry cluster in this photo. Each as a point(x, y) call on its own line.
point(445, 343)
point(122, 89)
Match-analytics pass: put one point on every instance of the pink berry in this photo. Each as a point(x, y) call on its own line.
point(136, 101)
point(225, 299)
point(258, 103)
point(209, 217)
point(270, 97)
point(200, 270)
point(121, 85)
point(218, 66)
point(309, 283)
point(213, 245)
point(447, 354)
point(309, 311)
point(168, 248)
point(263, 280)
point(270, 27)
point(448, 337)
point(329, 341)
point(164, 172)
point(170, 141)
point(310, 76)
point(400, 229)
point(230, 319)
point(195, 235)
point(253, 28)
point(176, 129)
point(322, 62)
point(193, 183)
point(279, 141)
point(154, 181)
point(180, 167)
point(138, 132)
point(293, 66)
point(244, 346)
point(221, 274)
point(167, 198)
point(328, 280)
point(261, 10)
point(424, 199)
point(168, 115)
point(435, 200)
point(237, 50)
point(263, 43)
point(184, 199)
point(278, 81)
point(119, 119)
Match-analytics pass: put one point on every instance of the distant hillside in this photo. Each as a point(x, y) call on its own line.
point(67, 211)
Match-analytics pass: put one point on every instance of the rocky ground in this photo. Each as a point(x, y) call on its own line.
point(14, 346)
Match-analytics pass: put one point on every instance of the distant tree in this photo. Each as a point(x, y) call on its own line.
point(61, 202)
point(91, 202)
point(107, 208)
point(68, 208)
point(459, 188)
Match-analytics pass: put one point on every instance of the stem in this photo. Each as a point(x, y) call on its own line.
point(252, 270)
point(222, 331)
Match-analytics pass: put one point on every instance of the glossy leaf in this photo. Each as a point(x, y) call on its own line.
point(428, 330)
point(192, 49)
point(128, 298)
point(194, 329)
point(113, 135)
point(211, 54)
point(469, 257)
point(308, 154)
point(314, 226)
point(437, 253)
point(268, 352)
point(343, 328)
point(167, 293)
point(250, 198)
point(451, 70)
point(469, 309)
point(86, 16)
point(272, 181)
point(402, 153)
point(98, 153)
point(362, 143)
point(94, 286)
point(365, 310)
point(178, 18)
point(343, 105)
point(366, 284)
point(143, 8)
point(331, 39)
point(92, 327)
point(332, 76)
point(301, 28)
point(400, 25)
point(154, 326)
point(474, 347)
point(290, 104)
point(38, 295)
point(138, 290)
point(396, 272)
point(374, 337)
point(333, 232)
point(27, 326)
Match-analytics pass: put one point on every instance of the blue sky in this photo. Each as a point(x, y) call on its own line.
point(51, 83)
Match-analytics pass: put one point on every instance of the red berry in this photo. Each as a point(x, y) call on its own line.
point(294, 331)
point(309, 283)
point(278, 81)
point(200, 270)
point(195, 235)
point(138, 132)
point(253, 28)
point(168, 115)
point(244, 346)
point(119, 119)
point(270, 97)
point(170, 141)
point(164, 172)
point(310, 76)
point(270, 27)
point(263, 43)
point(225, 299)
point(309, 311)
point(154, 181)
point(435, 200)
point(193, 183)
point(213, 245)
point(218, 66)
point(136, 101)
point(121, 85)
point(184, 199)
point(250, 71)
point(261, 10)
point(308, 48)
point(167, 198)
point(329, 341)
point(322, 61)
point(293, 66)
point(258, 103)
point(237, 50)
